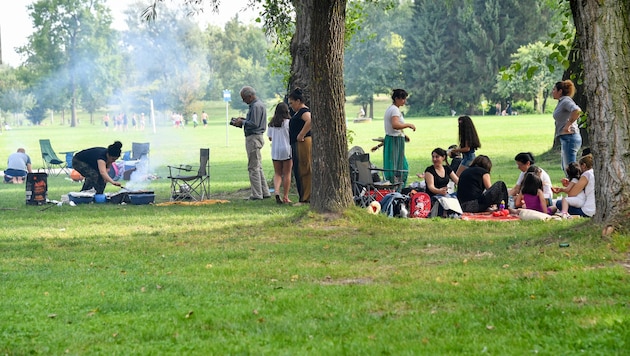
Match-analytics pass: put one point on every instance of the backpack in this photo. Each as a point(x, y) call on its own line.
point(395, 205)
point(420, 205)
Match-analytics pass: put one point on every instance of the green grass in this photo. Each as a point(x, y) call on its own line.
point(257, 278)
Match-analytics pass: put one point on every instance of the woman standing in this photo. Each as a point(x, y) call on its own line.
point(301, 144)
point(565, 115)
point(94, 164)
point(278, 134)
point(468, 142)
point(394, 161)
point(475, 191)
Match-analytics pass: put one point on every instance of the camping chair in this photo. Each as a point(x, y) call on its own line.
point(188, 183)
point(51, 161)
point(139, 151)
point(367, 181)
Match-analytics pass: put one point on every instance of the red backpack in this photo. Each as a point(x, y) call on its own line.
point(420, 205)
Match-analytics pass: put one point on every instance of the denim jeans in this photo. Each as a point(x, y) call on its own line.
point(569, 144)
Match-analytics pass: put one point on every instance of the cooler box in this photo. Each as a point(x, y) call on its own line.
point(36, 188)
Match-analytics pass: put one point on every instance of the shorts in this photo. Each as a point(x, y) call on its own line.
point(467, 158)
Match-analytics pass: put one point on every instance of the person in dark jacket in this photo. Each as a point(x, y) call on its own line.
point(94, 164)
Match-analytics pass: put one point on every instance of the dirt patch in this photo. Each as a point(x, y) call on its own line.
point(329, 281)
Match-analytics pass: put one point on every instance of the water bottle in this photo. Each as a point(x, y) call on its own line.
point(511, 202)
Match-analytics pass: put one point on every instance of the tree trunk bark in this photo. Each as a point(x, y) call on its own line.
point(300, 48)
point(331, 188)
point(603, 31)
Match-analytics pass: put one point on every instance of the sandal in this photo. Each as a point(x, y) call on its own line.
point(278, 200)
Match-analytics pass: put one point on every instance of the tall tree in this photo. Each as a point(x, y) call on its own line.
point(62, 48)
point(603, 32)
point(373, 58)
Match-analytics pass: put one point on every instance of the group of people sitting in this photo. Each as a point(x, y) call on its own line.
point(533, 189)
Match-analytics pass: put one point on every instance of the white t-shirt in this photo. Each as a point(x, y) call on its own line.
point(392, 111)
point(280, 147)
point(589, 204)
point(546, 181)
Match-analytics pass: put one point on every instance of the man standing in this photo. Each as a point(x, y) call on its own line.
point(254, 125)
point(18, 166)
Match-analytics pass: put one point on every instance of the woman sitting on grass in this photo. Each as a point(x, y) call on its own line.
point(438, 175)
point(586, 183)
point(475, 191)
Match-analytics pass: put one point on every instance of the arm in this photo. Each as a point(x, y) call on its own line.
point(397, 125)
point(307, 126)
point(29, 168)
point(102, 169)
point(578, 187)
point(541, 197)
point(515, 190)
point(454, 177)
point(575, 114)
point(486, 181)
point(430, 180)
point(518, 201)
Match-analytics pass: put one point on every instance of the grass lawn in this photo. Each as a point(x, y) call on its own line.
point(258, 278)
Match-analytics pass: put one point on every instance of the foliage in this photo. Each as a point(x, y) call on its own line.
point(373, 57)
point(71, 41)
point(462, 47)
point(530, 77)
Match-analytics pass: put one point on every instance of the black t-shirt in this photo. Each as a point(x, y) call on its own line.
point(296, 124)
point(439, 182)
point(455, 163)
point(470, 186)
point(90, 156)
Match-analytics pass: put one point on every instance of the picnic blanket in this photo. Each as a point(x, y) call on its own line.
point(487, 216)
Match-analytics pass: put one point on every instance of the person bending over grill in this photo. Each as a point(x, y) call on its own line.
point(94, 164)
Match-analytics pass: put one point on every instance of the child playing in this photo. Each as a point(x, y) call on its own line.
point(468, 142)
point(531, 195)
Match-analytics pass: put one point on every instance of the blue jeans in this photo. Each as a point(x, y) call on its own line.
point(569, 144)
point(572, 210)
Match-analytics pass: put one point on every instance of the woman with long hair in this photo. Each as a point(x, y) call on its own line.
point(468, 142)
point(278, 134)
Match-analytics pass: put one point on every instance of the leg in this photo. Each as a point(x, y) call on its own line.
point(305, 168)
point(286, 179)
point(569, 144)
point(254, 168)
point(277, 178)
point(494, 195)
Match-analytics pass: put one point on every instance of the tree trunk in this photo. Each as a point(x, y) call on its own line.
point(331, 189)
point(300, 48)
point(603, 31)
point(575, 72)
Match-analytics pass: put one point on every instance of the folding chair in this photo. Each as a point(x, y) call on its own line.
point(188, 183)
point(139, 150)
point(51, 161)
point(367, 180)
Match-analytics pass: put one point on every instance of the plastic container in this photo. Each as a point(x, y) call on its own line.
point(100, 198)
point(80, 200)
point(141, 199)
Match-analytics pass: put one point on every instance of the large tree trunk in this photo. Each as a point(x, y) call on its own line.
point(331, 175)
point(300, 48)
point(603, 31)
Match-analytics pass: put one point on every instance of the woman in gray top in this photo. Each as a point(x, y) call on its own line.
point(566, 115)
